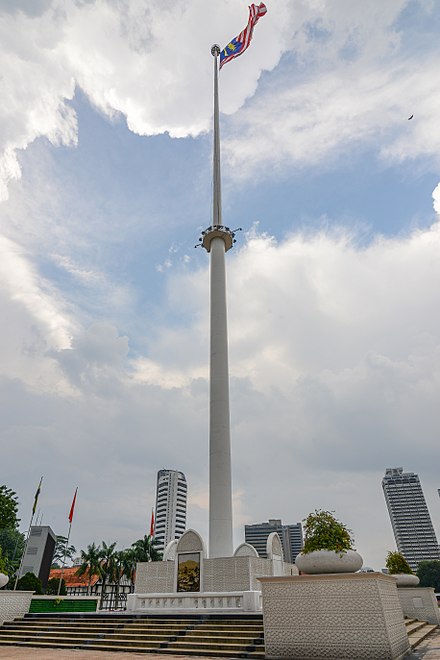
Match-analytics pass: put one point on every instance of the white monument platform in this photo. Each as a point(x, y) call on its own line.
point(187, 581)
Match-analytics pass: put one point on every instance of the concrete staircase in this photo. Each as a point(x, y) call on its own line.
point(205, 635)
point(418, 631)
point(209, 635)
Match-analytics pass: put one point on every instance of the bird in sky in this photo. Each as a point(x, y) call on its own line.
point(410, 117)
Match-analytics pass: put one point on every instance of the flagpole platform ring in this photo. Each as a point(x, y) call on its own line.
point(215, 50)
point(217, 231)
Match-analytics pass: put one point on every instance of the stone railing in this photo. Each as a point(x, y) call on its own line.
point(236, 601)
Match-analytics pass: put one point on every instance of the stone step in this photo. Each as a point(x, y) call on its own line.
point(224, 645)
point(226, 633)
point(414, 626)
point(421, 634)
point(232, 637)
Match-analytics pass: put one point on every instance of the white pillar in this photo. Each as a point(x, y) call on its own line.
point(220, 486)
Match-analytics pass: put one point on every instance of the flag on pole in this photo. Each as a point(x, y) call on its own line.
point(34, 508)
point(152, 524)
point(239, 44)
point(72, 508)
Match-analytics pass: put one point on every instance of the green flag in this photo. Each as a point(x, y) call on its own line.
point(36, 497)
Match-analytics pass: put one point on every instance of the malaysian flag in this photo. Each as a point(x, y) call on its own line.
point(238, 45)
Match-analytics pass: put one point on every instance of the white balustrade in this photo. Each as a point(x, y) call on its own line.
point(236, 601)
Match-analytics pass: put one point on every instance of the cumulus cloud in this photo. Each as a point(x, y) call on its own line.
point(335, 358)
point(436, 199)
point(152, 64)
point(335, 371)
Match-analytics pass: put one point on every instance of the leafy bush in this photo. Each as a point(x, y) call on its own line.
point(324, 532)
point(30, 582)
point(396, 563)
point(429, 573)
point(52, 587)
point(3, 564)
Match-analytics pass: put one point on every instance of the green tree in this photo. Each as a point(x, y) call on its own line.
point(145, 549)
point(429, 573)
point(3, 564)
point(324, 532)
point(90, 564)
point(397, 564)
point(30, 582)
point(12, 545)
point(119, 560)
point(129, 564)
point(107, 557)
point(52, 587)
point(61, 550)
point(8, 508)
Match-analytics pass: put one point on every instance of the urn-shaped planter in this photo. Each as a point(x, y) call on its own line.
point(329, 561)
point(3, 580)
point(406, 579)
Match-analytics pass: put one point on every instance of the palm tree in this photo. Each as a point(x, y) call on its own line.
point(107, 557)
point(118, 572)
point(90, 564)
point(62, 552)
point(129, 564)
point(145, 549)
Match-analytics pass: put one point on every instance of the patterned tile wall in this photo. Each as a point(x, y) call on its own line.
point(156, 577)
point(14, 604)
point(336, 617)
point(419, 603)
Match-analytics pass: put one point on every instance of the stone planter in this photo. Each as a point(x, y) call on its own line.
point(329, 561)
point(406, 580)
point(3, 580)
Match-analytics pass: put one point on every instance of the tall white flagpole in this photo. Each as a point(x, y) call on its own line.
point(217, 240)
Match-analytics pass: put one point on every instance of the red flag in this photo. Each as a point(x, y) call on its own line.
point(73, 506)
point(152, 524)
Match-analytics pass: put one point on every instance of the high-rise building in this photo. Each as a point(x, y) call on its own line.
point(412, 525)
point(170, 515)
point(291, 537)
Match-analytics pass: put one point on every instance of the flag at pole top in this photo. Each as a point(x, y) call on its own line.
point(72, 508)
point(238, 45)
point(34, 508)
point(152, 524)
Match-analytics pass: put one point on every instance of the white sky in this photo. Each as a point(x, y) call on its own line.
point(105, 176)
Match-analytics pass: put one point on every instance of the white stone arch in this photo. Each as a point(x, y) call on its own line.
point(245, 550)
point(275, 553)
point(191, 541)
point(190, 547)
point(169, 554)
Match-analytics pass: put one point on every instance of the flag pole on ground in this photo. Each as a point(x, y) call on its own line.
point(72, 508)
point(34, 508)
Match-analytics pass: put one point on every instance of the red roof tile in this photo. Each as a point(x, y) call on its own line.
point(71, 578)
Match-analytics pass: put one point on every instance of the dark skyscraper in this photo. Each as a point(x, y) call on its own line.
point(412, 526)
point(291, 537)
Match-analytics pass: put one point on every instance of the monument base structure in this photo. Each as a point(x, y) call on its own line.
point(419, 603)
point(187, 581)
point(347, 616)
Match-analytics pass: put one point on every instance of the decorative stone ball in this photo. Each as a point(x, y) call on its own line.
point(406, 580)
point(329, 561)
point(3, 580)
